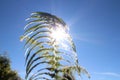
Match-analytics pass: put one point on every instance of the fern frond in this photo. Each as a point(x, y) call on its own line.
point(46, 55)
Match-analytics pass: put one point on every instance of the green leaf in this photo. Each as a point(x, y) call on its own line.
point(32, 37)
point(45, 73)
point(30, 69)
point(39, 51)
point(50, 69)
point(32, 41)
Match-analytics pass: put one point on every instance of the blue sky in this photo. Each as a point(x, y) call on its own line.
point(94, 26)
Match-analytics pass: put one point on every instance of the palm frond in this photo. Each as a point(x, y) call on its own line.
point(42, 49)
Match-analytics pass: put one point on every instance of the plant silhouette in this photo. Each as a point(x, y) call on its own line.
point(50, 50)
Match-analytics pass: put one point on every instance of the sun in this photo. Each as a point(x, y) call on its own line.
point(59, 34)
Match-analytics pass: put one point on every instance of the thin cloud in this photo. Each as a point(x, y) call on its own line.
point(87, 39)
point(109, 74)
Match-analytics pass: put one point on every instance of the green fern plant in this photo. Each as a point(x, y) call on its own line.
point(50, 51)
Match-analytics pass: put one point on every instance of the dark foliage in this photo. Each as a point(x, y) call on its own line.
point(5, 70)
